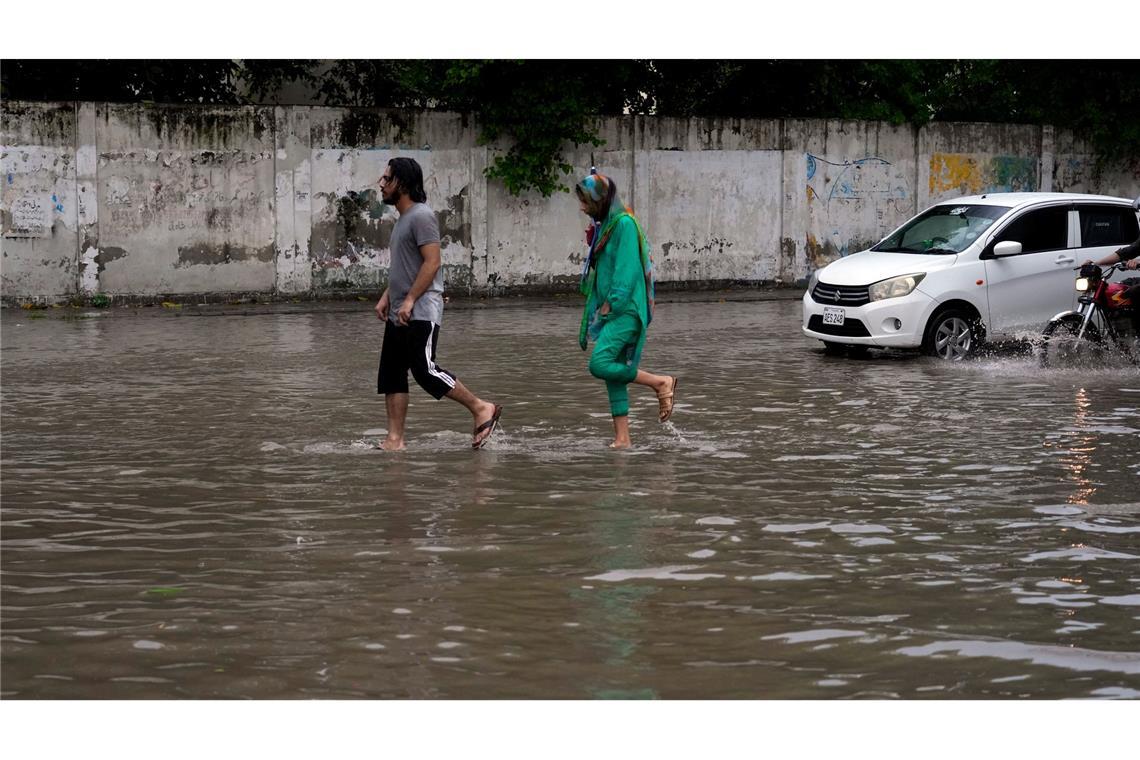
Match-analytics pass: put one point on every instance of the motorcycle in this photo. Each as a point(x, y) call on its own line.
point(1101, 324)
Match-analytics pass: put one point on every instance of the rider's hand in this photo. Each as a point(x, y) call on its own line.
point(1133, 264)
point(382, 307)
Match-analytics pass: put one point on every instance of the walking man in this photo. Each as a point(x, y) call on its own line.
point(412, 310)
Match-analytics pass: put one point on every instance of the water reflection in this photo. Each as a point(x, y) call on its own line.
point(1080, 451)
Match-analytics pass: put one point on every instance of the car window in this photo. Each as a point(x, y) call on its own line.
point(1044, 229)
point(943, 229)
point(1107, 225)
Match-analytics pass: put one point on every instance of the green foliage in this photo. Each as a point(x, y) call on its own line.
point(133, 81)
point(538, 108)
point(534, 109)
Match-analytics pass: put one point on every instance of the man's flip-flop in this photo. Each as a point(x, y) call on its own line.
point(665, 403)
point(489, 426)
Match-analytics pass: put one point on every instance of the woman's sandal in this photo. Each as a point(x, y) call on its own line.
point(665, 402)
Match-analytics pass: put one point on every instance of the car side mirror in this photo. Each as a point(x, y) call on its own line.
point(1007, 248)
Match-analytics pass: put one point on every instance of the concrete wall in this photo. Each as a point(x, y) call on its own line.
point(156, 201)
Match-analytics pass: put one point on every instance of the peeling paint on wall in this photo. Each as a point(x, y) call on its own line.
point(218, 199)
point(107, 255)
point(455, 221)
point(190, 192)
point(206, 254)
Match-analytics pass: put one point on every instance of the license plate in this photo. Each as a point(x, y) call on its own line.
point(833, 315)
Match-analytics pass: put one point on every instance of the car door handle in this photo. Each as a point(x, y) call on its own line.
point(1065, 260)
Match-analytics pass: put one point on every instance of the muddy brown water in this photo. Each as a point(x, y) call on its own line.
point(191, 509)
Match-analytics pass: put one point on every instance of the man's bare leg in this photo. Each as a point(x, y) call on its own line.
point(397, 406)
point(480, 410)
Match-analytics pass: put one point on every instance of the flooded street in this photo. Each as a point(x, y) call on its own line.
point(192, 508)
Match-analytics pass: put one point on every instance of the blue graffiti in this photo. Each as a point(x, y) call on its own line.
point(842, 186)
point(9, 179)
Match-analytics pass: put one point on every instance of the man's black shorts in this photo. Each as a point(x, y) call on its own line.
point(412, 347)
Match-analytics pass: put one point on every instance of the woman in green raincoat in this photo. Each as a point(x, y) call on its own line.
point(617, 280)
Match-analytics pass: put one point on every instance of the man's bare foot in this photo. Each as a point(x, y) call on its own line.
point(486, 420)
point(390, 444)
point(621, 444)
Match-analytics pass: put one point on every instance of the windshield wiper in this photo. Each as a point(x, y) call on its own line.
point(940, 251)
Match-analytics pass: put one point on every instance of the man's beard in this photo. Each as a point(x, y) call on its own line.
point(390, 200)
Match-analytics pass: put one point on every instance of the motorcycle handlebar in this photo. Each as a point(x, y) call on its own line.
point(1110, 267)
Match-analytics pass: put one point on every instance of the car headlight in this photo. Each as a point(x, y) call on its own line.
point(895, 287)
point(1082, 284)
point(813, 280)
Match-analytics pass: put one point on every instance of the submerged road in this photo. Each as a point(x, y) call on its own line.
point(192, 508)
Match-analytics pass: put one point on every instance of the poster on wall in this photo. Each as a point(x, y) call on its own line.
point(28, 216)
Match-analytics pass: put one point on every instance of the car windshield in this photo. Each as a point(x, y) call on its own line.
point(942, 230)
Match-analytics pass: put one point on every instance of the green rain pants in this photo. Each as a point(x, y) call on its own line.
point(610, 360)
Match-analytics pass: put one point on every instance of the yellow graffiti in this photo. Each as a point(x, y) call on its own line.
point(954, 171)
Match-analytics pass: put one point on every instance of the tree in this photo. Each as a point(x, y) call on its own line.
point(538, 107)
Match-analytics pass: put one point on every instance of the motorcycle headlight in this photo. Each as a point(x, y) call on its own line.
point(895, 287)
point(1082, 284)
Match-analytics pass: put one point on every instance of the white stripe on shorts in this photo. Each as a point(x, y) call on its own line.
point(433, 370)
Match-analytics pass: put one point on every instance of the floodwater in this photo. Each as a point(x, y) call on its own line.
point(192, 509)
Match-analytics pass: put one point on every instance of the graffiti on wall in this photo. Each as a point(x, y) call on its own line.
point(871, 179)
point(965, 174)
point(852, 203)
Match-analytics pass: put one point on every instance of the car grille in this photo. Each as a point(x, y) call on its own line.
point(840, 295)
point(851, 328)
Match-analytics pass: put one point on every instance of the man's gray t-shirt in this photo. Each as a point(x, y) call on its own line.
point(417, 226)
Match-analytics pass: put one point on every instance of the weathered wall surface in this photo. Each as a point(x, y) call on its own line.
point(152, 201)
point(855, 184)
point(185, 200)
point(38, 206)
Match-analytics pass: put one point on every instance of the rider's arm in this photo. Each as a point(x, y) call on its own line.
point(1121, 254)
point(1111, 258)
point(1129, 251)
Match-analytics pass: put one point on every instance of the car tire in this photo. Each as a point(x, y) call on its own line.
point(952, 335)
point(834, 349)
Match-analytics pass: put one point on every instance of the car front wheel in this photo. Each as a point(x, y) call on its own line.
point(953, 335)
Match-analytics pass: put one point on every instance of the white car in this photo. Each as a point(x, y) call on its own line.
point(984, 267)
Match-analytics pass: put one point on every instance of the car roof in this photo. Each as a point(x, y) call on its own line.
point(1015, 200)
